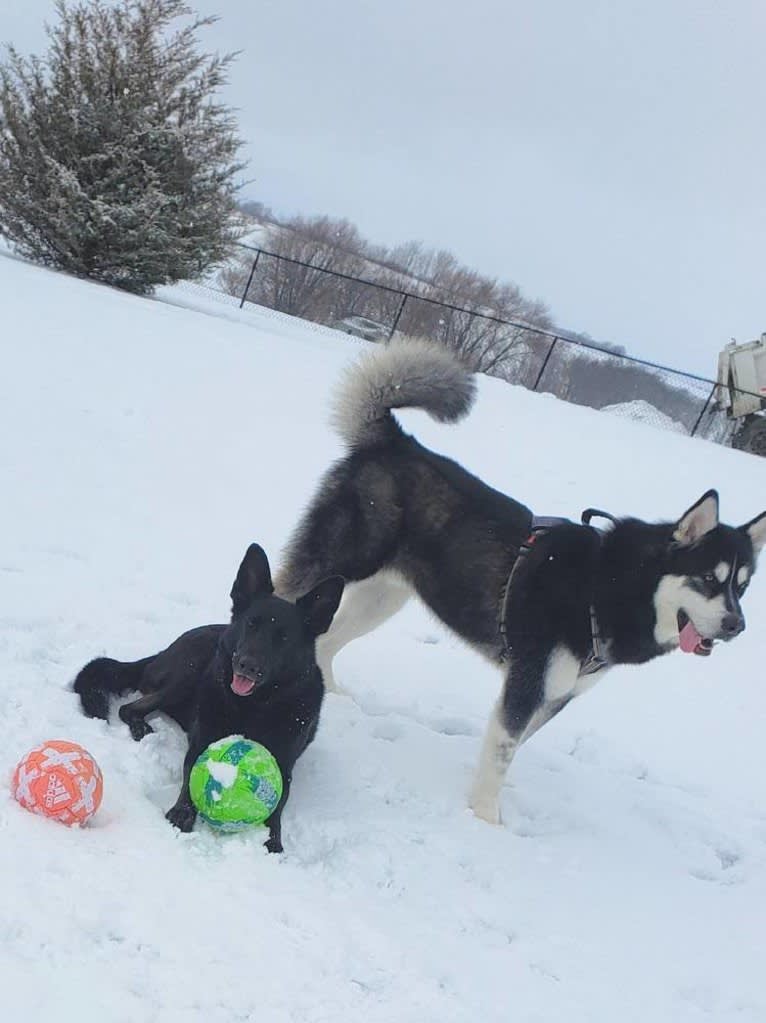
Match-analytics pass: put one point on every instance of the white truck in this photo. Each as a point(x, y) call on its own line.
point(741, 392)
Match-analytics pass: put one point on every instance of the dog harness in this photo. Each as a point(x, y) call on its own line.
point(542, 524)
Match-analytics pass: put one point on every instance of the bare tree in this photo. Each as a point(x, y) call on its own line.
point(481, 327)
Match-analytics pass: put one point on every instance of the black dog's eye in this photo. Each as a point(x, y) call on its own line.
point(255, 622)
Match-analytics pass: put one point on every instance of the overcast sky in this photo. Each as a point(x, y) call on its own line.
point(607, 155)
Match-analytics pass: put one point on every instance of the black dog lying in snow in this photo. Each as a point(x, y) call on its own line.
point(256, 677)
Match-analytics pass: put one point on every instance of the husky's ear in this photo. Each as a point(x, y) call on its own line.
point(698, 520)
point(318, 606)
point(756, 530)
point(253, 579)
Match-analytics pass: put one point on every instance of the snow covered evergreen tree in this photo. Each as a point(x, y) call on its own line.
point(116, 161)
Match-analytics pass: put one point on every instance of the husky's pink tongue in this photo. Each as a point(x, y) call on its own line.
point(690, 638)
point(242, 686)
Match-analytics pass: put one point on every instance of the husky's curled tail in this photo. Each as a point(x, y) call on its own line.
point(371, 506)
point(403, 374)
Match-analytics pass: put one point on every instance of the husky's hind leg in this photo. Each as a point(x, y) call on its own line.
point(365, 606)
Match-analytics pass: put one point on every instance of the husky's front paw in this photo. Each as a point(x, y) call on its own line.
point(486, 810)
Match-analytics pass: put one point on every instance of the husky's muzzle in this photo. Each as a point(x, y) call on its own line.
point(692, 641)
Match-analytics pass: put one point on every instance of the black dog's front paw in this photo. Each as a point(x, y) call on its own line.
point(273, 845)
point(182, 816)
point(139, 728)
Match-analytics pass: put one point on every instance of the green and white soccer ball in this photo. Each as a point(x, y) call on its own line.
point(235, 784)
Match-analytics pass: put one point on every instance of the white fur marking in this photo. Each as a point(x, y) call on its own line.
point(561, 674)
point(743, 575)
point(363, 607)
point(496, 754)
point(668, 599)
point(673, 595)
point(722, 570)
point(586, 682)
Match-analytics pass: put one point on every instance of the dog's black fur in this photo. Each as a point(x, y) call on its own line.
point(266, 652)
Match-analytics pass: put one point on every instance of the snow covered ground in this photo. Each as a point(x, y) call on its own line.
point(142, 447)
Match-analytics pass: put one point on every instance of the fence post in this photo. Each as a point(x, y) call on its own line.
point(704, 410)
point(250, 278)
point(544, 366)
point(398, 316)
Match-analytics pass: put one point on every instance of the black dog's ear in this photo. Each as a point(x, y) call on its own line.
point(253, 579)
point(698, 520)
point(318, 606)
point(756, 530)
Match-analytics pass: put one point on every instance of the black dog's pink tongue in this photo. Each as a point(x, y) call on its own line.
point(242, 686)
point(690, 639)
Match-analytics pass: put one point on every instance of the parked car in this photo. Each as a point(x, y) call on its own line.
point(360, 326)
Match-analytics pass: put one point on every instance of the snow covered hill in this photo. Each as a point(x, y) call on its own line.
point(142, 447)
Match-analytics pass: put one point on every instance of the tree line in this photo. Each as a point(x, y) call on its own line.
point(432, 278)
point(448, 303)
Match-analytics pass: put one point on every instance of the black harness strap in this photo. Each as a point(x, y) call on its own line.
point(596, 659)
point(595, 513)
point(539, 527)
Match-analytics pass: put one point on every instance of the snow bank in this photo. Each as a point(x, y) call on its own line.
point(142, 447)
point(641, 411)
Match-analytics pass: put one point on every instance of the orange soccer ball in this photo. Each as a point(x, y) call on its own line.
point(61, 780)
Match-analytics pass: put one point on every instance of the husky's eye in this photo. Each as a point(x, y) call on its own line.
point(709, 578)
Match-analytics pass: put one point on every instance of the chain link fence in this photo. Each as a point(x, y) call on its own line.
point(520, 353)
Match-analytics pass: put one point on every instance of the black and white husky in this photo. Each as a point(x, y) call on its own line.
point(396, 519)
